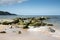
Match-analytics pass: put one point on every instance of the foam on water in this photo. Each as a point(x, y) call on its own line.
point(44, 29)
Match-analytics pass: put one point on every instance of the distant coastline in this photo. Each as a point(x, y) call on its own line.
point(6, 13)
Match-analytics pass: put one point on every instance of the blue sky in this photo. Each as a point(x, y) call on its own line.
point(32, 7)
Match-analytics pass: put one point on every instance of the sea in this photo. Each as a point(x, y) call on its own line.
point(54, 19)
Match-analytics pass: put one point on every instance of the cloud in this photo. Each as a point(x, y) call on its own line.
point(9, 2)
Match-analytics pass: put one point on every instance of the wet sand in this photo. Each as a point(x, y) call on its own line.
point(26, 35)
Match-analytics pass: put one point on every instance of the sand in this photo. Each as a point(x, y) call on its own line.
point(26, 35)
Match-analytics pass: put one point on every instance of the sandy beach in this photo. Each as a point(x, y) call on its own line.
point(27, 35)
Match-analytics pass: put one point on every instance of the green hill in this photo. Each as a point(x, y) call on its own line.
point(6, 13)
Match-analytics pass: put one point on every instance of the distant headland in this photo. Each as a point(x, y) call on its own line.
point(6, 13)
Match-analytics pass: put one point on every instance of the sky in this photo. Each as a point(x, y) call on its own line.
point(31, 7)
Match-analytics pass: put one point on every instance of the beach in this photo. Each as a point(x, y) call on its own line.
point(27, 35)
point(38, 33)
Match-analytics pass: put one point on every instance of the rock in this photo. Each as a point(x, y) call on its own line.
point(49, 24)
point(2, 32)
point(52, 30)
point(19, 32)
point(11, 27)
point(43, 24)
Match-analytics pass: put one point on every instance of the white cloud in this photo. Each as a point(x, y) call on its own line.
point(9, 2)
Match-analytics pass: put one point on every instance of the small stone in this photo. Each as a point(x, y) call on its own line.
point(49, 24)
point(52, 30)
point(19, 32)
point(2, 32)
